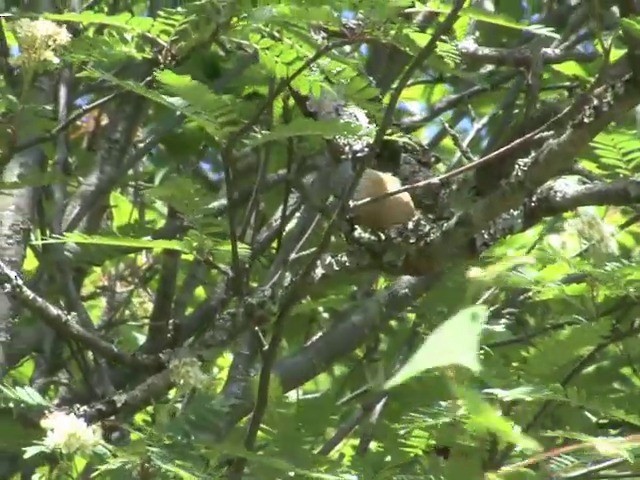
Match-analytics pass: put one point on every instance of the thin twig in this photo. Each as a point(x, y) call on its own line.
point(227, 156)
point(65, 324)
point(282, 86)
point(415, 64)
point(457, 141)
point(32, 142)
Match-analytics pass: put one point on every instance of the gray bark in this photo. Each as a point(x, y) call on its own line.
point(16, 206)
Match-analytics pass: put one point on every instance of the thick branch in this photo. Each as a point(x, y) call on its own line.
point(553, 159)
point(522, 57)
point(555, 201)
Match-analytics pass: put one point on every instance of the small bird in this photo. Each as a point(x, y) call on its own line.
point(386, 212)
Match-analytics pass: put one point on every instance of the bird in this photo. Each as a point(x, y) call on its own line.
point(386, 212)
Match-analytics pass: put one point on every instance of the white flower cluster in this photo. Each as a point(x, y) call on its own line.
point(69, 434)
point(186, 372)
point(39, 40)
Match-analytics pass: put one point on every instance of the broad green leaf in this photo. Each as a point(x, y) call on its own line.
point(455, 342)
point(572, 69)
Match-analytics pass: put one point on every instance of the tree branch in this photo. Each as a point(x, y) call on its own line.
point(65, 324)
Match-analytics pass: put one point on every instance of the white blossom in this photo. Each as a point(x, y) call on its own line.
point(39, 40)
point(69, 434)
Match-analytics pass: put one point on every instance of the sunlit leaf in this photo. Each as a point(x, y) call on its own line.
point(455, 342)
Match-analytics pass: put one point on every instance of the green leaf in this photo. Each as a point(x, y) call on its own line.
point(485, 418)
point(116, 241)
point(14, 434)
point(216, 114)
point(455, 342)
point(24, 396)
point(275, 463)
point(194, 243)
point(572, 69)
point(306, 127)
point(491, 18)
point(122, 209)
point(122, 20)
point(631, 26)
